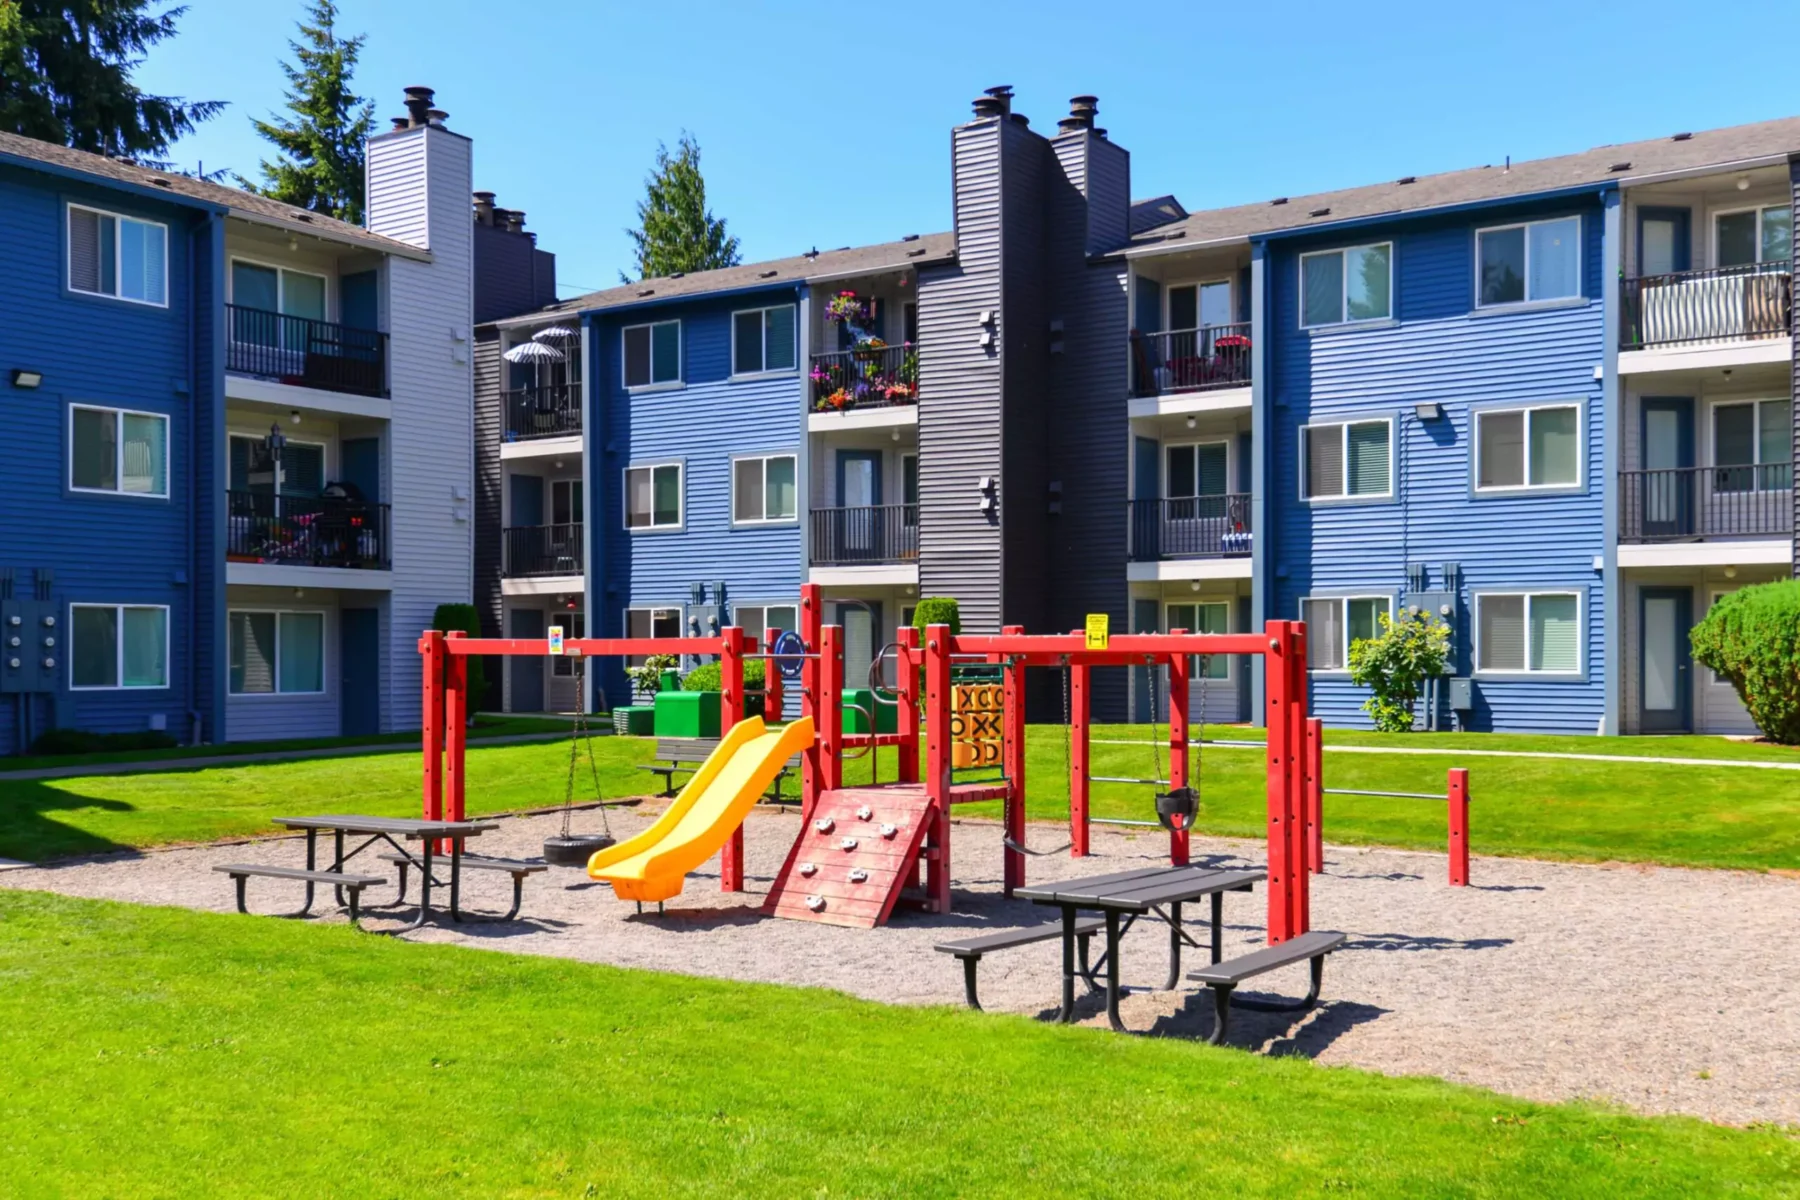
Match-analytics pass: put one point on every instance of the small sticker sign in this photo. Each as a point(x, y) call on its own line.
point(1096, 631)
point(556, 639)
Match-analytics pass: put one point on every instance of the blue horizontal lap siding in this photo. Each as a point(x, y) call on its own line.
point(1439, 349)
point(103, 549)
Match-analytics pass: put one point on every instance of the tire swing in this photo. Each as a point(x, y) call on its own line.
point(1177, 808)
point(574, 849)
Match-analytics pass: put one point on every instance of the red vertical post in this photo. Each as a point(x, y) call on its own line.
point(812, 773)
point(831, 707)
point(1300, 894)
point(1012, 742)
point(1180, 668)
point(906, 681)
point(1459, 826)
point(731, 711)
point(1277, 679)
point(772, 697)
point(1078, 759)
point(1315, 795)
point(456, 727)
point(937, 764)
point(431, 654)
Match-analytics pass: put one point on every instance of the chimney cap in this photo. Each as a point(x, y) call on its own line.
point(987, 106)
point(401, 122)
point(418, 105)
point(438, 116)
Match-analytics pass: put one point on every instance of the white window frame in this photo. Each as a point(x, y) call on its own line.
point(1197, 285)
point(680, 521)
point(1197, 603)
point(1343, 600)
point(324, 449)
point(1230, 467)
point(1343, 288)
point(765, 371)
point(278, 613)
point(654, 383)
point(1580, 480)
point(119, 415)
point(1712, 432)
point(763, 607)
point(637, 660)
point(1347, 497)
point(1758, 209)
point(765, 460)
point(281, 274)
point(1526, 668)
point(1532, 301)
point(118, 611)
point(118, 255)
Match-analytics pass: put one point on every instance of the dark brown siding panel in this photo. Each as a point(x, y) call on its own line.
point(1028, 169)
point(487, 481)
point(512, 276)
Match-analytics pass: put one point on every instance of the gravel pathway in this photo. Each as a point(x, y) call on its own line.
point(1662, 989)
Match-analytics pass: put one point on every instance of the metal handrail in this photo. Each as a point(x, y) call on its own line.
point(305, 352)
point(1190, 360)
point(1695, 503)
point(1718, 304)
point(866, 377)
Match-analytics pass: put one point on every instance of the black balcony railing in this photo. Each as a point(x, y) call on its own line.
point(871, 377)
point(1190, 360)
point(297, 350)
point(881, 533)
point(1724, 304)
point(1698, 503)
point(553, 410)
point(305, 531)
point(1190, 527)
point(542, 550)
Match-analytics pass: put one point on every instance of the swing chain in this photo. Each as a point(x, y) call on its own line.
point(582, 736)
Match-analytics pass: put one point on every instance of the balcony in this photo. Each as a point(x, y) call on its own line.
point(868, 377)
point(306, 353)
point(1689, 504)
point(1190, 360)
point(305, 531)
point(1190, 527)
point(1722, 305)
point(550, 411)
point(535, 551)
point(866, 536)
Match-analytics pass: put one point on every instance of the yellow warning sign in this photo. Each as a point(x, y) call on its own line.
point(975, 726)
point(1096, 631)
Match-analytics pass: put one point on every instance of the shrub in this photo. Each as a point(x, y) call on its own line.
point(937, 610)
point(1752, 637)
point(1395, 665)
point(465, 620)
point(707, 676)
point(81, 741)
point(646, 677)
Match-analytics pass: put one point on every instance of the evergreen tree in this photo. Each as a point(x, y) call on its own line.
point(65, 77)
point(675, 231)
point(321, 145)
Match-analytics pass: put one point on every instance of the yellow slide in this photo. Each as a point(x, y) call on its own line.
point(654, 864)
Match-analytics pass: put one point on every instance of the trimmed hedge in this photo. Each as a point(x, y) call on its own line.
point(464, 619)
point(81, 741)
point(706, 677)
point(937, 610)
point(1752, 638)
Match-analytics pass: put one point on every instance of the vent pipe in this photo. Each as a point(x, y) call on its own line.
point(484, 208)
point(418, 106)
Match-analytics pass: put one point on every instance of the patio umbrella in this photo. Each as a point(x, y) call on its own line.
point(534, 353)
point(556, 333)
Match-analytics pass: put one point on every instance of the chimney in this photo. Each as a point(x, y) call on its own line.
point(418, 106)
point(987, 106)
point(1082, 110)
point(515, 220)
point(484, 208)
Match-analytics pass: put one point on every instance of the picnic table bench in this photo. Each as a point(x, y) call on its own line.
point(517, 868)
point(684, 756)
point(1223, 977)
point(970, 950)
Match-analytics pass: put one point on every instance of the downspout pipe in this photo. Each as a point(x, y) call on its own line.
point(194, 449)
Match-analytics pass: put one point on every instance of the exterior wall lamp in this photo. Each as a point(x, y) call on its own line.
point(22, 378)
point(1430, 410)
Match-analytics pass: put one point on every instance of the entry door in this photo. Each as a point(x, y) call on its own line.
point(1145, 698)
point(1663, 240)
point(859, 492)
point(359, 671)
point(527, 669)
point(860, 625)
point(1666, 493)
point(1665, 692)
point(361, 459)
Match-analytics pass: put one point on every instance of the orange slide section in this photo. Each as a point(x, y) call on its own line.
point(654, 865)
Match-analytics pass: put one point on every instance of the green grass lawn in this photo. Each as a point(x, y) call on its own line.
point(1550, 808)
point(158, 1052)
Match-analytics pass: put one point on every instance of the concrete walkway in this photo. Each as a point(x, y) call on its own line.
point(1450, 753)
point(200, 762)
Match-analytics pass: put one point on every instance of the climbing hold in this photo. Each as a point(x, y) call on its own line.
point(824, 824)
point(888, 831)
point(859, 876)
point(808, 868)
point(847, 844)
point(864, 813)
point(815, 902)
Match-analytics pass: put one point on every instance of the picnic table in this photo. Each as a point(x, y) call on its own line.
point(1121, 898)
point(394, 831)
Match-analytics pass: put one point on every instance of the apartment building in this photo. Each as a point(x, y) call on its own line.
point(242, 462)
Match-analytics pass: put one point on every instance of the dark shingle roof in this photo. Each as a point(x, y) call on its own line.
point(243, 204)
point(826, 264)
point(1623, 164)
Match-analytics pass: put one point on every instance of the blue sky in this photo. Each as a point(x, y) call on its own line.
point(828, 125)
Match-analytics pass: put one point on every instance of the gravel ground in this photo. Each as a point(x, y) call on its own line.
point(1661, 989)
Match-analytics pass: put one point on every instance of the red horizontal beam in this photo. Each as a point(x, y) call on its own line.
point(590, 647)
point(1119, 649)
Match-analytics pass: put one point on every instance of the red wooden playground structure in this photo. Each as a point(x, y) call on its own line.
point(864, 849)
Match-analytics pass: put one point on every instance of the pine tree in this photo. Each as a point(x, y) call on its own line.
point(676, 232)
point(321, 145)
point(65, 77)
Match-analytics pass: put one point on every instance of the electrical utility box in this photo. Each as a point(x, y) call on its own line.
point(32, 640)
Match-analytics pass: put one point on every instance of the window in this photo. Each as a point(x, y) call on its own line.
point(118, 646)
point(653, 497)
point(648, 623)
point(252, 468)
point(277, 653)
point(116, 256)
point(1528, 447)
point(1539, 260)
point(1755, 235)
point(1356, 284)
point(1528, 632)
point(115, 450)
point(1753, 449)
point(1345, 461)
point(565, 502)
point(762, 489)
point(562, 666)
point(909, 322)
point(762, 339)
point(1196, 470)
point(652, 354)
point(757, 619)
point(257, 291)
point(1196, 306)
point(1204, 617)
point(1335, 623)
